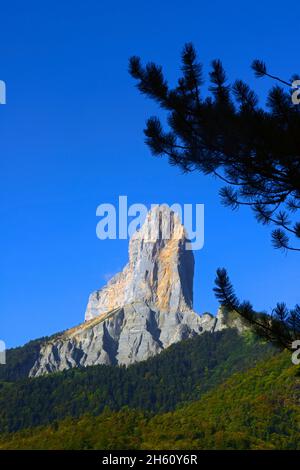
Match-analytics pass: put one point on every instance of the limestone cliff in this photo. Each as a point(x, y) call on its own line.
point(142, 310)
point(160, 270)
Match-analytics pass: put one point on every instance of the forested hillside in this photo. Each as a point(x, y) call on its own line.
point(20, 360)
point(182, 373)
point(257, 409)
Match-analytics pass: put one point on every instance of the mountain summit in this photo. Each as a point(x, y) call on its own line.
point(160, 270)
point(141, 310)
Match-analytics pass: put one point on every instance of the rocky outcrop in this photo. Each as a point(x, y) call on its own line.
point(226, 319)
point(160, 270)
point(126, 335)
point(142, 310)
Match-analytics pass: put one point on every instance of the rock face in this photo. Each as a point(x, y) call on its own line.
point(142, 310)
point(226, 319)
point(126, 335)
point(160, 270)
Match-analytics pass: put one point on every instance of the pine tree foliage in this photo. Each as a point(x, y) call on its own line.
point(255, 150)
point(224, 132)
point(281, 327)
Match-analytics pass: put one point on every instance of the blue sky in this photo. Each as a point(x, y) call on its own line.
point(71, 139)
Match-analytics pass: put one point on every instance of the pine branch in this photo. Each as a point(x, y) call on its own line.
point(275, 328)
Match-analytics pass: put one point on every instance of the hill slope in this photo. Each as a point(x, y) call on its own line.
point(182, 373)
point(257, 409)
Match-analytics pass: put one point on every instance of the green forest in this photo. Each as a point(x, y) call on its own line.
point(254, 410)
point(221, 391)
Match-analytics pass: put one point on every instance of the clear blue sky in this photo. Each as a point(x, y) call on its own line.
point(71, 138)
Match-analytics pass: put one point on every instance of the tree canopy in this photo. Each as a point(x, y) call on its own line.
point(282, 327)
point(225, 133)
point(253, 149)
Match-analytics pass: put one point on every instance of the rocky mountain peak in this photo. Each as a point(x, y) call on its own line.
point(160, 270)
point(142, 310)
